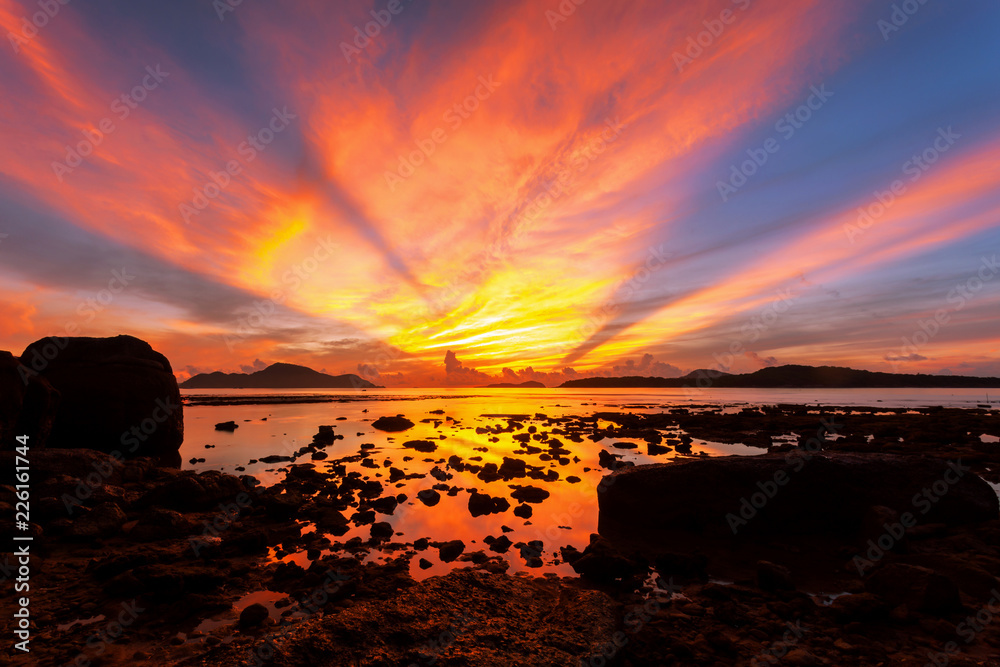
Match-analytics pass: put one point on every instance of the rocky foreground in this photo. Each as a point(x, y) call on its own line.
point(839, 564)
point(861, 536)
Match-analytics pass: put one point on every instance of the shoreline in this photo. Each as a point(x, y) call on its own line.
point(185, 547)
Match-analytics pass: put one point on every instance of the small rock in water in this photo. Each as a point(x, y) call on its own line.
point(530, 494)
point(397, 423)
point(449, 551)
point(429, 497)
point(227, 426)
point(253, 615)
point(382, 530)
point(425, 446)
point(482, 503)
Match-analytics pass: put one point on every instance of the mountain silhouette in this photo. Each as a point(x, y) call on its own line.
point(795, 376)
point(277, 376)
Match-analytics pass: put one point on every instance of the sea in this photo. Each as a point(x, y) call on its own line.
point(567, 517)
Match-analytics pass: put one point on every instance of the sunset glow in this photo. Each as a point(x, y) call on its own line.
point(543, 193)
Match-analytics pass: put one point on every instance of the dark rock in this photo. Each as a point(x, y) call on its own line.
point(363, 517)
point(227, 426)
point(83, 471)
point(512, 468)
point(917, 587)
point(276, 458)
point(499, 544)
point(385, 505)
point(425, 446)
point(449, 551)
point(162, 524)
point(429, 497)
point(103, 521)
point(830, 494)
point(602, 563)
point(523, 511)
point(116, 394)
point(772, 577)
point(425, 564)
point(860, 608)
point(530, 494)
point(190, 492)
point(397, 423)
point(254, 615)
point(28, 405)
point(607, 459)
point(381, 530)
point(489, 473)
point(481, 504)
point(570, 554)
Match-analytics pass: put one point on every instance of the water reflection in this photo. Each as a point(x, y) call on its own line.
point(471, 427)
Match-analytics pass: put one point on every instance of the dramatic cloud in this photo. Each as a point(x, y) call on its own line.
point(547, 203)
point(765, 362)
point(647, 367)
point(257, 365)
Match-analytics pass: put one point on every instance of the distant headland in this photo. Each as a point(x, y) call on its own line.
point(793, 377)
point(277, 376)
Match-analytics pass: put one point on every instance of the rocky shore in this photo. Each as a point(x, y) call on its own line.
point(872, 537)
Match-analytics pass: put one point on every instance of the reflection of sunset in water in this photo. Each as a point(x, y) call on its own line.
point(567, 517)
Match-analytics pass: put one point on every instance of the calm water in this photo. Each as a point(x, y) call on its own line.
point(567, 517)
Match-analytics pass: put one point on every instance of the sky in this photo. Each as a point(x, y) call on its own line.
point(445, 193)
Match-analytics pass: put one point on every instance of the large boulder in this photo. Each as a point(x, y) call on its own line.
point(830, 494)
point(27, 404)
point(117, 395)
